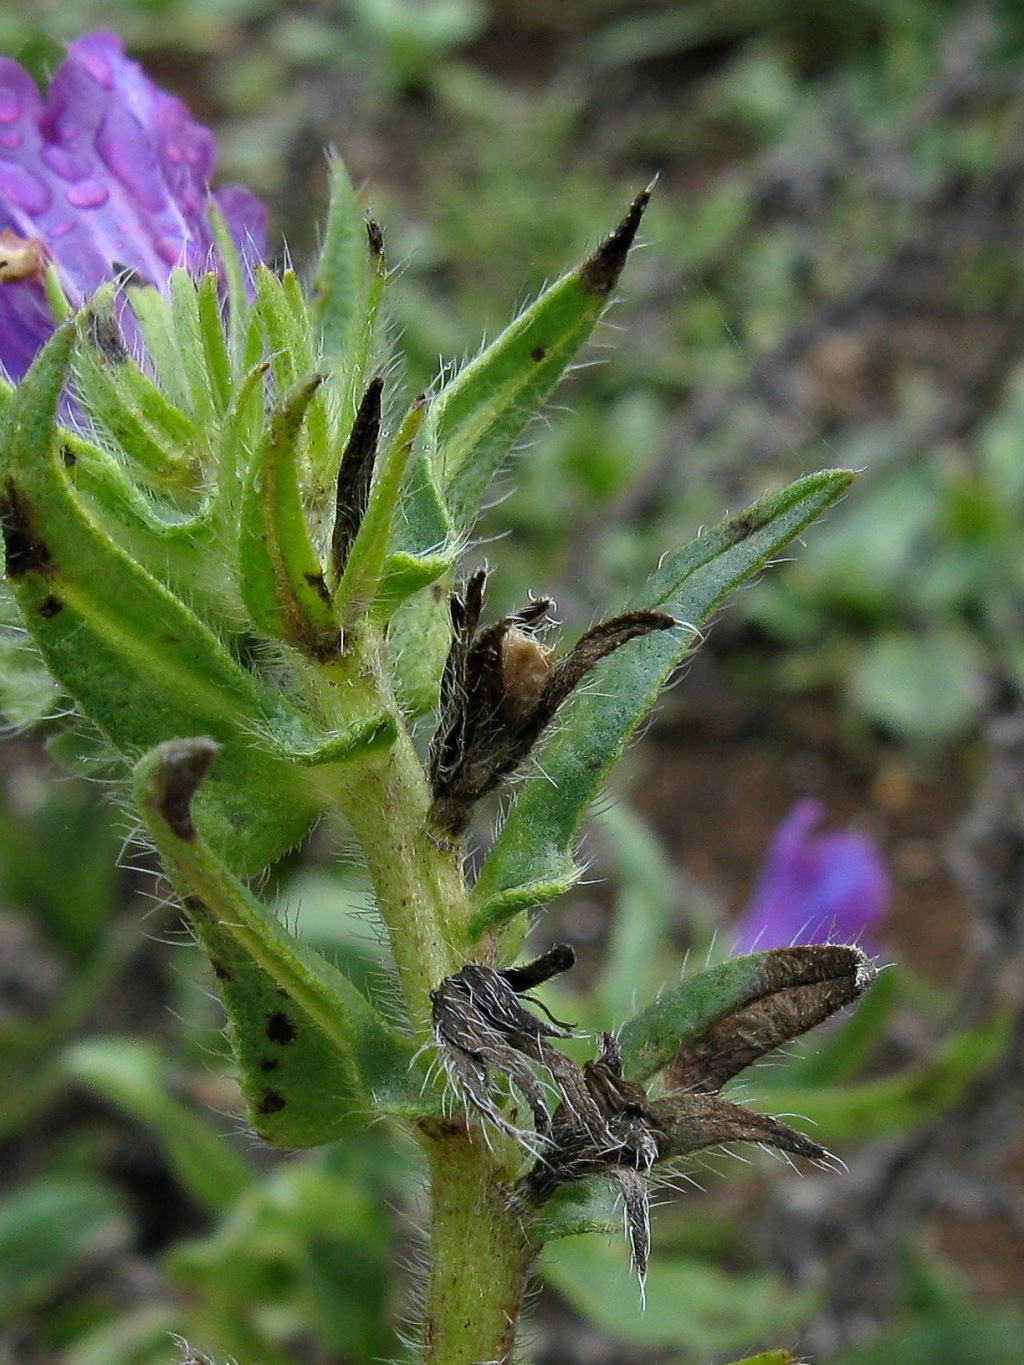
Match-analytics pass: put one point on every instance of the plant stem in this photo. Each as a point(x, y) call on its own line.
point(480, 1252)
point(479, 1248)
point(419, 884)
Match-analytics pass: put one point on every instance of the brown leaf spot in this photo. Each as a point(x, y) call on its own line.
point(25, 550)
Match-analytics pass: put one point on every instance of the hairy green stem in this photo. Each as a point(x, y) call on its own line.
point(419, 885)
point(480, 1251)
point(418, 881)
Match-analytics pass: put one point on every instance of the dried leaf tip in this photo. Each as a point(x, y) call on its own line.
point(375, 239)
point(104, 335)
point(180, 766)
point(481, 1026)
point(355, 474)
point(600, 271)
point(500, 690)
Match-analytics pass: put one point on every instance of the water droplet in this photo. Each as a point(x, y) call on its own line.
point(10, 105)
point(68, 165)
point(25, 190)
point(11, 140)
point(61, 230)
point(88, 194)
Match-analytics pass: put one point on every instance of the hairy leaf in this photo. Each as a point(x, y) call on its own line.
point(531, 860)
point(316, 1059)
point(134, 658)
point(478, 415)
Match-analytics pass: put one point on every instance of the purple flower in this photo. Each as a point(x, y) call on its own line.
point(107, 174)
point(825, 888)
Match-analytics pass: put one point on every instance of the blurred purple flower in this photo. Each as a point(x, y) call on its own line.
point(107, 174)
point(825, 888)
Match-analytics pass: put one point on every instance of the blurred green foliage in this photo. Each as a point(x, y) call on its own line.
point(835, 260)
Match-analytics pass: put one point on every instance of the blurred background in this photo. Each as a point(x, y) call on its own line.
point(833, 274)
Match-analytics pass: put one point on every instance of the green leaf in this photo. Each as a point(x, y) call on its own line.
point(134, 1075)
point(579, 1207)
point(316, 1059)
point(344, 270)
point(924, 687)
point(156, 322)
point(215, 346)
point(312, 1247)
point(282, 579)
point(48, 1229)
point(134, 658)
point(183, 554)
point(689, 1304)
point(531, 860)
point(423, 528)
point(240, 334)
point(479, 414)
point(419, 634)
point(192, 348)
point(348, 289)
point(159, 441)
point(287, 342)
point(680, 1016)
point(28, 693)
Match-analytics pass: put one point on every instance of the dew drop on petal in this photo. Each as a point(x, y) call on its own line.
point(10, 105)
point(11, 140)
point(61, 230)
point(88, 194)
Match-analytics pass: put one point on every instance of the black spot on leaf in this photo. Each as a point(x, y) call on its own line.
point(25, 550)
point(280, 1029)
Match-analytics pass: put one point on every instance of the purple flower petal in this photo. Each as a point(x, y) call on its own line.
point(829, 888)
point(110, 173)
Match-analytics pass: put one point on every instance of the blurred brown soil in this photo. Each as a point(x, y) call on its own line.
point(724, 765)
